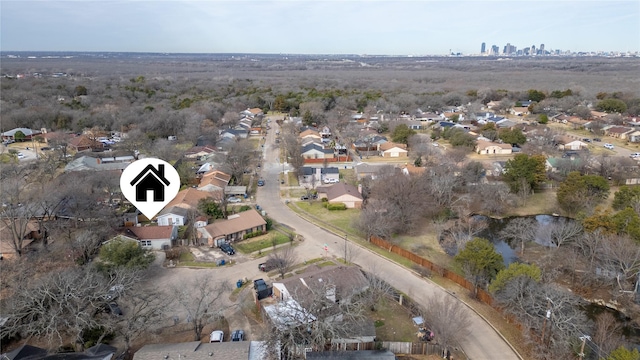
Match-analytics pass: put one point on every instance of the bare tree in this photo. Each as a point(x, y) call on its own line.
point(607, 334)
point(378, 289)
point(621, 255)
point(63, 303)
point(201, 299)
point(520, 230)
point(560, 231)
point(283, 259)
point(238, 159)
point(142, 311)
point(448, 319)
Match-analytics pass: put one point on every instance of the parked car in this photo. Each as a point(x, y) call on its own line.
point(259, 284)
point(634, 155)
point(597, 139)
point(114, 309)
point(304, 197)
point(237, 335)
point(270, 264)
point(261, 182)
point(331, 181)
point(216, 336)
point(21, 155)
point(227, 249)
point(586, 140)
point(234, 199)
point(570, 154)
point(608, 146)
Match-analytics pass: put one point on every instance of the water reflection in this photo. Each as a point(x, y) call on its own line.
point(504, 247)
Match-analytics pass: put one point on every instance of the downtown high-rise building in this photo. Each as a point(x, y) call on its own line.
point(483, 48)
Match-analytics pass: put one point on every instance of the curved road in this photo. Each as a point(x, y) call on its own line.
point(482, 343)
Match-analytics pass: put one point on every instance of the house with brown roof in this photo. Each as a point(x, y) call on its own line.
point(619, 132)
point(152, 237)
point(484, 147)
point(233, 228)
point(188, 198)
point(410, 169)
point(341, 193)
point(392, 150)
point(213, 181)
point(83, 143)
point(310, 133)
point(31, 234)
point(199, 151)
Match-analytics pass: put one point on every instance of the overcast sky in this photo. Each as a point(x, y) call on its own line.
point(416, 27)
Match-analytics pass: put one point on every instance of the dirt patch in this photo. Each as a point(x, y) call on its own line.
point(393, 322)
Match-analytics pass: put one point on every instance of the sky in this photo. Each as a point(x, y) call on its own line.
point(418, 27)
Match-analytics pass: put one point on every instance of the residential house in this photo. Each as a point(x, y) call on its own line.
point(214, 181)
point(341, 193)
point(188, 198)
point(28, 134)
point(311, 140)
point(619, 132)
point(569, 143)
point(31, 233)
point(131, 218)
point(233, 228)
point(634, 137)
point(310, 133)
point(198, 152)
point(316, 151)
point(198, 350)
point(325, 132)
point(364, 170)
point(488, 147)
point(152, 237)
point(29, 352)
point(320, 174)
point(519, 110)
point(296, 296)
point(83, 143)
point(95, 162)
point(555, 164)
point(414, 124)
point(234, 134)
point(252, 112)
point(427, 117)
point(393, 150)
point(174, 215)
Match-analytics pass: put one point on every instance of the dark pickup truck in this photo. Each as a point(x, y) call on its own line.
point(262, 289)
point(270, 264)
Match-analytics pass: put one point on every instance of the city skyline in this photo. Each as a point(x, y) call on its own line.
point(317, 27)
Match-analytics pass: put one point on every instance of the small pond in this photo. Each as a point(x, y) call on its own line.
point(494, 226)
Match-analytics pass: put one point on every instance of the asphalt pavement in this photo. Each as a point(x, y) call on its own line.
point(484, 342)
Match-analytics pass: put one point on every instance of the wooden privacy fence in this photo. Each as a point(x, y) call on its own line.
point(483, 296)
point(396, 347)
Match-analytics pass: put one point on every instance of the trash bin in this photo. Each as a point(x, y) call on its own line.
point(239, 284)
point(220, 262)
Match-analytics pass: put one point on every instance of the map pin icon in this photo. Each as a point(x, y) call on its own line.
point(150, 184)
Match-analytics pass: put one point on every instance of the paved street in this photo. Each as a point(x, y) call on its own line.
point(483, 342)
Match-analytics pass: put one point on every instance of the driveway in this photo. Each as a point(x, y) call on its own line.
point(484, 342)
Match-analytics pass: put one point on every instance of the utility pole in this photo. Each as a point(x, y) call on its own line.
point(345, 250)
point(584, 340)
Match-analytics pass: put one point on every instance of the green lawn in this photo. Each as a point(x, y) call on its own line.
point(262, 242)
point(340, 219)
point(393, 322)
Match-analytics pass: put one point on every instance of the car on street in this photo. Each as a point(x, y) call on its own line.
point(587, 140)
point(634, 155)
point(216, 336)
point(597, 139)
point(237, 335)
point(21, 155)
point(261, 182)
point(608, 146)
point(227, 249)
point(234, 199)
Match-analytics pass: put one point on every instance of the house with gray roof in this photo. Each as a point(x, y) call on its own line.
point(196, 350)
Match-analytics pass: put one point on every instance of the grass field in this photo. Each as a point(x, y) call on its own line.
point(261, 242)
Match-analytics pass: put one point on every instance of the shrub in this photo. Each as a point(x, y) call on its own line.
point(339, 206)
point(252, 234)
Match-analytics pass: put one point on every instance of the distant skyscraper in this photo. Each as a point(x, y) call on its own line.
point(483, 48)
point(533, 50)
point(494, 50)
point(541, 49)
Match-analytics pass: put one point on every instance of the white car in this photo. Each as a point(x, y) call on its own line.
point(216, 336)
point(634, 155)
point(331, 181)
point(21, 155)
point(608, 146)
point(234, 199)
